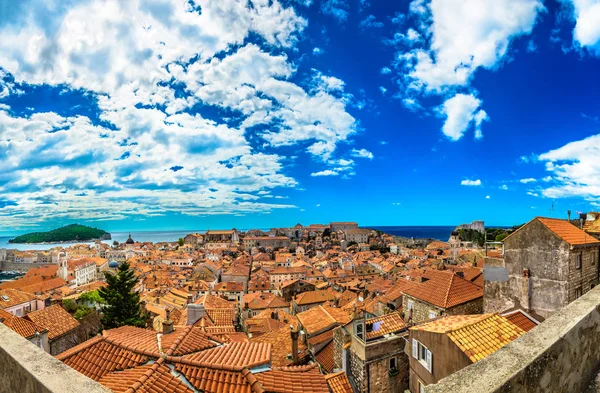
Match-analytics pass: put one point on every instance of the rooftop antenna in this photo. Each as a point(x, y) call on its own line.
point(551, 209)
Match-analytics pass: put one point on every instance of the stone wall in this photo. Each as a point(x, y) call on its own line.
point(339, 339)
point(28, 369)
point(19, 267)
point(420, 312)
point(357, 372)
point(560, 355)
point(380, 379)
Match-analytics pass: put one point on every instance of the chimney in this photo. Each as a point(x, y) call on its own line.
point(525, 302)
point(294, 335)
point(167, 326)
point(582, 217)
point(195, 312)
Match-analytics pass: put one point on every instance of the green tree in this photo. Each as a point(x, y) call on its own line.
point(122, 302)
point(180, 241)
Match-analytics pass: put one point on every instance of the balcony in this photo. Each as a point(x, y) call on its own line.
point(28, 369)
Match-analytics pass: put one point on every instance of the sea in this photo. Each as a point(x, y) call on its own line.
point(432, 232)
point(421, 232)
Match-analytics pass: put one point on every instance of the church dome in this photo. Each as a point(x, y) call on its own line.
point(129, 240)
point(113, 264)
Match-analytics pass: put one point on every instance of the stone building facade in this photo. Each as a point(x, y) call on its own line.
point(423, 311)
point(547, 264)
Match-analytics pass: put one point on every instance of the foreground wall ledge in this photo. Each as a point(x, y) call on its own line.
point(25, 368)
point(562, 354)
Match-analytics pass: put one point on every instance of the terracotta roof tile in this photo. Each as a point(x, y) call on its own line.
point(521, 320)
point(281, 349)
point(567, 231)
point(55, 319)
point(312, 297)
point(445, 289)
point(389, 323)
point(22, 326)
point(12, 297)
point(339, 383)
point(321, 318)
point(476, 335)
point(150, 378)
point(185, 342)
point(278, 381)
point(133, 338)
point(96, 357)
point(211, 380)
point(236, 354)
point(325, 357)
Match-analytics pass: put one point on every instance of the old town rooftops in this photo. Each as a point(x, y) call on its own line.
point(322, 318)
point(568, 232)
point(22, 326)
point(55, 319)
point(386, 324)
point(477, 336)
point(445, 289)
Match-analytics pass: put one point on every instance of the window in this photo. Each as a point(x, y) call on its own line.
point(360, 327)
point(578, 261)
point(578, 292)
point(432, 314)
point(422, 354)
point(411, 304)
point(393, 364)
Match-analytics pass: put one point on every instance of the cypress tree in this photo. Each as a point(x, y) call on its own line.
point(122, 302)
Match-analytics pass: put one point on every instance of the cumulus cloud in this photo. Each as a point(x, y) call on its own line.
point(461, 111)
point(327, 172)
point(575, 168)
point(528, 180)
point(470, 183)
point(151, 68)
point(318, 51)
point(463, 36)
point(587, 24)
point(370, 22)
point(362, 153)
point(335, 8)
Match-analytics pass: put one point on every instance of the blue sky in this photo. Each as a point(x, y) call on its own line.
point(177, 114)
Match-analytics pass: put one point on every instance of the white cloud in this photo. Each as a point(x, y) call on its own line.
point(362, 153)
point(487, 197)
point(318, 51)
point(534, 194)
point(528, 180)
point(386, 70)
point(159, 158)
point(370, 22)
point(587, 24)
point(465, 35)
point(575, 168)
point(461, 111)
point(336, 8)
point(504, 187)
point(470, 183)
point(327, 172)
point(382, 89)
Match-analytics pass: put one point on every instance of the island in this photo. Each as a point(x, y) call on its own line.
point(66, 234)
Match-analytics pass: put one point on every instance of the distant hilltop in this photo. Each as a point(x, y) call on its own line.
point(69, 233)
